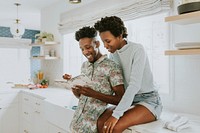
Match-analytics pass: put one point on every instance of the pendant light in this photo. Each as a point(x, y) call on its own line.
point(17, 30)
point(75, 1)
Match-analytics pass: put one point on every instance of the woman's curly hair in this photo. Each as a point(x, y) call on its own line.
point(113, 24)
point(87, 31)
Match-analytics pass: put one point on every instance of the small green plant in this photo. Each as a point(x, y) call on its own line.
point(44, 35)
point(44, 82)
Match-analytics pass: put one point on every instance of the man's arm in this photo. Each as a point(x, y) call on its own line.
point(111, 99)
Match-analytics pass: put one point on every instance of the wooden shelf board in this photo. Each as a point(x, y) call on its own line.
point(182, 52)
point(45, 44)
point(45, 58)
point(187, 18)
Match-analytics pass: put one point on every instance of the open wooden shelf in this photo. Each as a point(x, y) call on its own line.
point(187, 18)
point(183, 52)
point(45, 58)
point(48, 43)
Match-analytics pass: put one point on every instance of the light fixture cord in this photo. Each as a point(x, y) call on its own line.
point(17, 20)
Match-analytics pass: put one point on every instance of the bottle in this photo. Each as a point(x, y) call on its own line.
point(52, 53)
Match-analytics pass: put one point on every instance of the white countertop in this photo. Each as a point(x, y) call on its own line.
point(58, 96)
point(58, 103)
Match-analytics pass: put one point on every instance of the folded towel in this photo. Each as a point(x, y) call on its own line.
point(177, 123)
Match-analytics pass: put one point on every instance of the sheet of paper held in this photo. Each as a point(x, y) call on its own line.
point(78, 80)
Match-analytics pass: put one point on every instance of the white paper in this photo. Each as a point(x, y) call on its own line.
point(81, 80)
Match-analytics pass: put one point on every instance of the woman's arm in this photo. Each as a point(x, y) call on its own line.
point(134, 85)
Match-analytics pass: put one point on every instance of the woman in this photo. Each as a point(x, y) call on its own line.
point(141, 102)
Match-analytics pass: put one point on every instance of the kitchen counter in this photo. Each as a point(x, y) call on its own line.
point(58, 96)
point(57, 103)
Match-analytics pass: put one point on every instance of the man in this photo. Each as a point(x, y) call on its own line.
point(107, 83)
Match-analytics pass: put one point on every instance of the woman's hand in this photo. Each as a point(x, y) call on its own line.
point(109, 125)
point(67, 76)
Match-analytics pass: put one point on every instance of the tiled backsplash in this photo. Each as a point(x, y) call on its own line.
point(29, 34)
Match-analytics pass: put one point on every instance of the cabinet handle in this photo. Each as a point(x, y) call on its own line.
point(37, 112)
point(26, 99)
point(37, 103)
point(26, 113)
point(25, 131)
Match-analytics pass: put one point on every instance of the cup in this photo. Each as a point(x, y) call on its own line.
point(40, 75)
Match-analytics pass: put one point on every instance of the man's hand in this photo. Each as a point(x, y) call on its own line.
point(109, 125)
point(87, 91)
point(67, 76)
point(76, 92)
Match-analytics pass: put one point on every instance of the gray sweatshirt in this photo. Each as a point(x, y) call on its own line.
point(136, 72)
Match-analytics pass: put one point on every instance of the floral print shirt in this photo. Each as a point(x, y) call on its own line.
point(104, 73)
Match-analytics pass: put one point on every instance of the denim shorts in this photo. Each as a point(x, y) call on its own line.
point(151, 101)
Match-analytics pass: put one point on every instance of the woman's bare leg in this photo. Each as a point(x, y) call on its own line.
point(103, 118)
point(134, 116)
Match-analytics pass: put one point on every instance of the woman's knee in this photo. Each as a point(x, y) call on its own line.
point(118, 129)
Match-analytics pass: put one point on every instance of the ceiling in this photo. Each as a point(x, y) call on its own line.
point(29, 11)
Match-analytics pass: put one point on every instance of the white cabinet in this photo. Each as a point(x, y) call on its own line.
point(54, 129)
point(1, 119)
point(58, 115)
point(10, 121)
point(32, 115)
point(9, 118)
point(48, 50)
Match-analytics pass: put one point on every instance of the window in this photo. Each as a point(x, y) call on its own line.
point(15, 65)
point(73, 57)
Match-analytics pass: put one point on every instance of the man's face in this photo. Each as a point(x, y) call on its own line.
point(89, 49)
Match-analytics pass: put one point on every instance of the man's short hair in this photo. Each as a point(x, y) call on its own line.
point(87, 31)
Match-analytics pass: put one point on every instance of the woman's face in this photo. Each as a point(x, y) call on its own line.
point(111, 43)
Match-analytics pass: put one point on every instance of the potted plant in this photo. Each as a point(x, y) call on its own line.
point(44, 36)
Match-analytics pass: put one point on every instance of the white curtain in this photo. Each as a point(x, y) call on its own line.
point(126, 9)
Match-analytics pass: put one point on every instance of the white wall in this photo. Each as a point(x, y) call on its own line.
point(185, 72)
point(185, 75)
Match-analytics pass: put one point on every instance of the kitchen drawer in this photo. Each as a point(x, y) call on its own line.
point(26, 99)
point(54, 129)
point(37, 104)
point(34, 102)
point(58, 115)
point(26, 127)
point(27, 113)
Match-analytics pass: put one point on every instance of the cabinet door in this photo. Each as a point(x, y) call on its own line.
point(32, 113)
point(39, 122)
point(25, 127)
point(38, 115)
point(54, 129)
point(1, 118)
point(10, 119)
